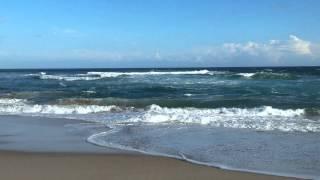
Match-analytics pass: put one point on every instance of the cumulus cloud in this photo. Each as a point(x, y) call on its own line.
point(294, 45)
point(293, 51)
point(273, 51)
point(300, 46)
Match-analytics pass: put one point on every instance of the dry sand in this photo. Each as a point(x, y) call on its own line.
point(68, 166)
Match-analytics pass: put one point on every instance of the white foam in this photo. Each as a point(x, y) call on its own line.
point(14, 106)
point(263, 118)
point(89, 92)
point(68, 78)
point(116, 74)
point(65, 77)
point(11, 101)
point(100, 75)
point(247, 75)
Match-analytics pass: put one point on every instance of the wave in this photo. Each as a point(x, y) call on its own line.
point(76, 77)
point(101, 75)
point(247, 75)
point(116, 74)
point(263, 118)
point(19, 106)
point(188, 94)
point(11, 101)
point(89, 92)
point(96, 75)
point(268, 75)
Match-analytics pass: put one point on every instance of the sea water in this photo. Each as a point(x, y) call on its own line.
point(251, 119)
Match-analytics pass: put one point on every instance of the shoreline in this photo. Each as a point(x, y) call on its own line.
point(31, 165)
point(33, 145)
point(214, 166)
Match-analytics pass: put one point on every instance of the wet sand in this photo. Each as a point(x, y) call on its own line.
point(35, 148)
point(65, 166)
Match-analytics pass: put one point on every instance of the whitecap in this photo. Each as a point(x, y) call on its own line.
point(20, 106)
point(11, 101)
point(188, 94)
point(89, 92)
point(263, 118)
point(100, 75)
point(68, 78)
point(247, 75)
point(116, 74)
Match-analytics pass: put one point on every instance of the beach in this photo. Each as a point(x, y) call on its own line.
point(68, 166)
point(168, 90)
point(45, 149)
point(193, 123)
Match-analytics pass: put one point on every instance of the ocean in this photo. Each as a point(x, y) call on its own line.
point(264, 119)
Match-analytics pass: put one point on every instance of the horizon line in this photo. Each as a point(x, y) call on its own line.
point(200, 67)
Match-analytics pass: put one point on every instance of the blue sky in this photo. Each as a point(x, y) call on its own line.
point(158, 33)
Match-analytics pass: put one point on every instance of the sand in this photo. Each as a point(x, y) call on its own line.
point(66, 166)
point(38, 148)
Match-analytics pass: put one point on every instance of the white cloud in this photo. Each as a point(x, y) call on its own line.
point(293, 51)
point(300, 46)
point(293, 45)
point(251, 48)
point(273, 50)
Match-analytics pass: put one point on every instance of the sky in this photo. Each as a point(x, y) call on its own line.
point(158, 33)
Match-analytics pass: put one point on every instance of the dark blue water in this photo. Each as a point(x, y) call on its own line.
point(203, 88)
point(256, 119)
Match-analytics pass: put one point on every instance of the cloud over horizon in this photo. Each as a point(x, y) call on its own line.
point(273, 48)
point(273, 52)
point(174, 33)
point(293, 51)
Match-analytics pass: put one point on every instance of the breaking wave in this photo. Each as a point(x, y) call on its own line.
point(263, 118)
point(11, 101)
point(260, 118)
point(100, 75)
point(247, 75)
point(267, 75)
point(76, 77)
point(116, 74)
point(20, 106)
point(95, 75)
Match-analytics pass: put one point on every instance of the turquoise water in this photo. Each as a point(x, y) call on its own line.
point(253, 119)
